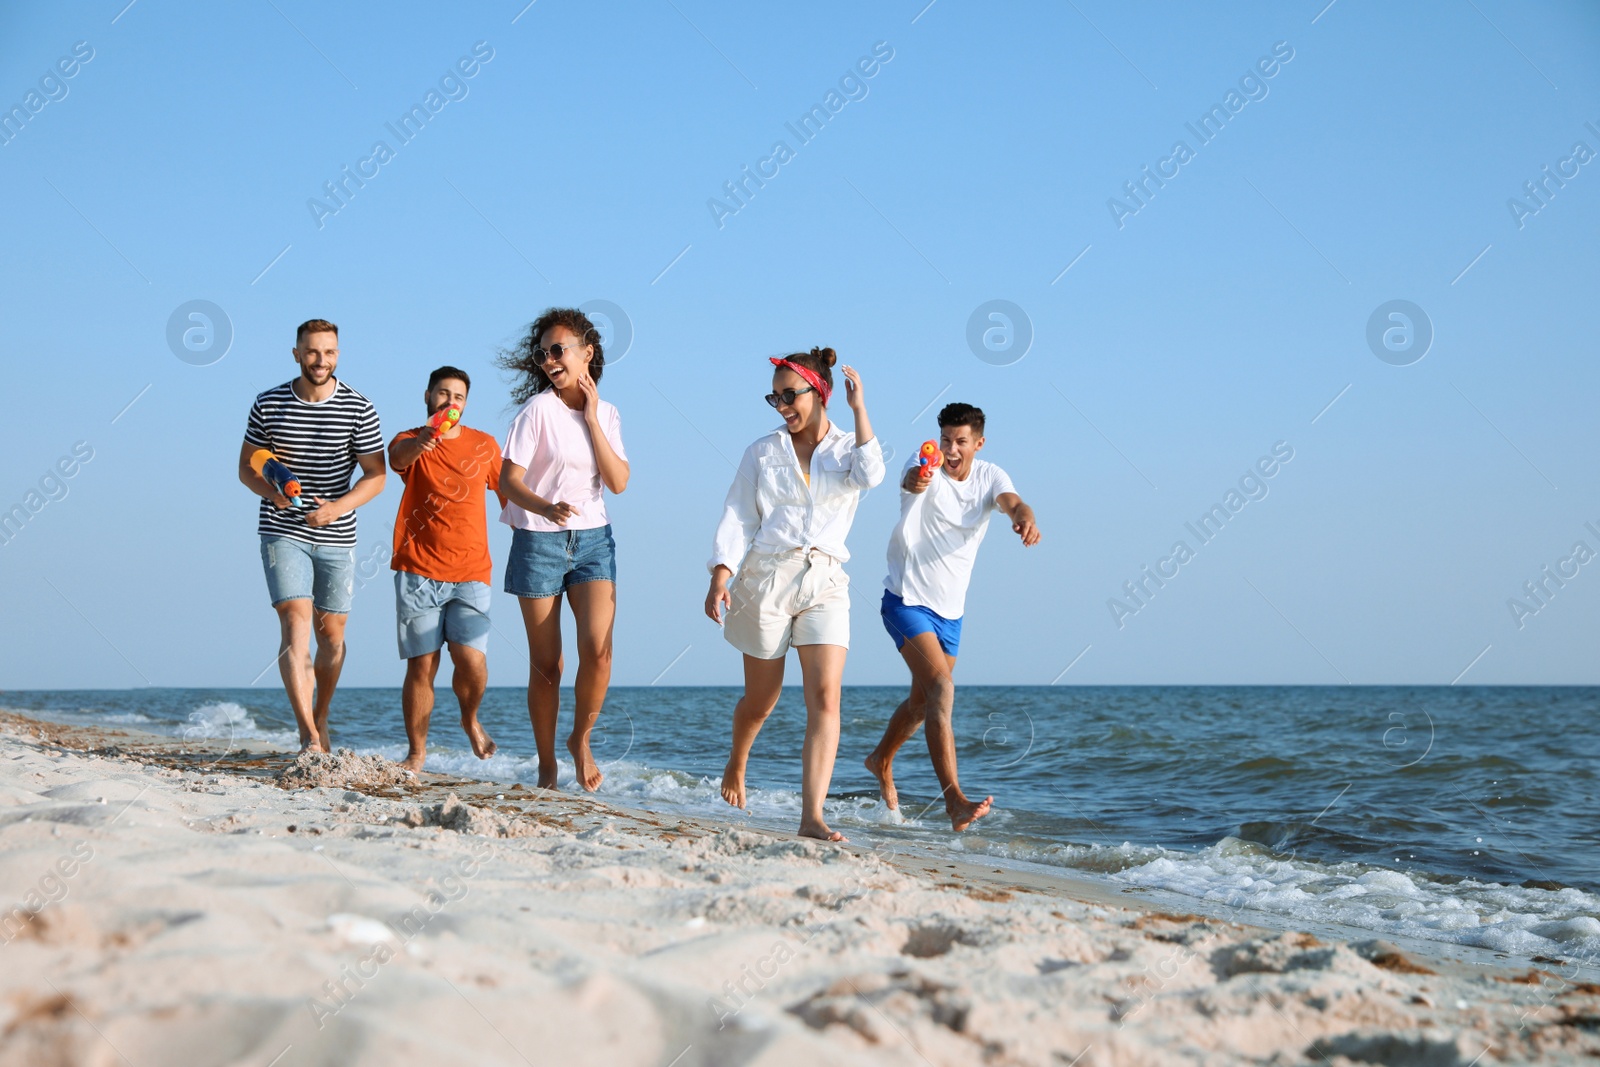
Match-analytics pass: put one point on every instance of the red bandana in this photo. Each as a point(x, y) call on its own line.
point(812, 378)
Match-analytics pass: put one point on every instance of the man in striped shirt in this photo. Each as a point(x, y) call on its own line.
point(321, 429)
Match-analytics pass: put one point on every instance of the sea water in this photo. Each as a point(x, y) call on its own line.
point(1468, 815)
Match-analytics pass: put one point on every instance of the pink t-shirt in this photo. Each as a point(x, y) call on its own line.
point(552, 442)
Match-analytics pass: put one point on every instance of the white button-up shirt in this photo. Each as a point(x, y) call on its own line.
point(772, 509)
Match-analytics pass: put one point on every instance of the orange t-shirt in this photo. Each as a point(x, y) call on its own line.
point(441, 531)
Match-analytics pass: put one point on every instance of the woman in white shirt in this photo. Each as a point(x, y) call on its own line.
point(563, 449)
point(783, 527)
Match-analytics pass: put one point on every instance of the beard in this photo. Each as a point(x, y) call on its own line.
point(316, 376)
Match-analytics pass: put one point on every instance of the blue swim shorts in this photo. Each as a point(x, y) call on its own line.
point(429, 612)
point(904, 620)
point(545, 562)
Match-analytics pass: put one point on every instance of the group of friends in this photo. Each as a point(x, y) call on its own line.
point(777, 576)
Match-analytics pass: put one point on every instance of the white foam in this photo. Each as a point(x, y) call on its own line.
point(231, 722)
point(1243, 874)
point(1513, 919)
point(217, 720)
point(633, 783)
point(124, 718)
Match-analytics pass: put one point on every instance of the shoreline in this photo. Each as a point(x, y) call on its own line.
point(945, 847)
point(646, 930)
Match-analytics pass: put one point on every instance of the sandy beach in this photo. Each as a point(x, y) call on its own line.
point(168, 904)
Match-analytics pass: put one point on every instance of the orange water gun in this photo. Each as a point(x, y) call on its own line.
point(272, 470)
point(929, 458)
point(444, 420)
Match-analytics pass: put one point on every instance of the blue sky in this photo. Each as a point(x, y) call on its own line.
point(978, 163)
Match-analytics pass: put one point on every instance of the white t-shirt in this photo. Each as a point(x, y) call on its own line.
point(935, 543)
point(551, 441)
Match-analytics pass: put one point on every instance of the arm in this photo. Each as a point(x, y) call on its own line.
point(741, 518)
point(492, 480)
point(914, 482)
point(254, 482)
point(613, 468)
point(717, 596)
point(858, 405)
point(515, 489)
point(404, 451)
point(369, 485)
point(867, 469)
point(1021, 516)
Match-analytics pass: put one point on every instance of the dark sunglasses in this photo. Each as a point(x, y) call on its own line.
point(540, 355)
point(787, 396)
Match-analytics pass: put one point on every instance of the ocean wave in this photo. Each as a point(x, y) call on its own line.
point(125, 718)
point(227, 721)
point(1517, 920)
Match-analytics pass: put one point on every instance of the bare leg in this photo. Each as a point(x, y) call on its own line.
point(763, 684)
point(930, 672)
point(594, 608)
point(822, 668)
point(329, 662)
point(470, 677)
point(902, 727)
point(294, 666)
point(416, 705)
point(542, 619)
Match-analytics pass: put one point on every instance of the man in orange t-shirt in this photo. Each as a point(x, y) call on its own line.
point(441, 562)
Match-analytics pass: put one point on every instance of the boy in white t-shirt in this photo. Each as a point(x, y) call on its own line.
point(943, 519)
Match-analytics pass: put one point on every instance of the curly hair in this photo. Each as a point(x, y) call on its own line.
point(529, 377)
point(818, 360)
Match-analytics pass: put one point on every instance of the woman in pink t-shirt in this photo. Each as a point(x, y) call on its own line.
point(564, 449)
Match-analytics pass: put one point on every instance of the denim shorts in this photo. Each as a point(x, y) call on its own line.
point(299, 570)
point(543, 563)
point(429, 613)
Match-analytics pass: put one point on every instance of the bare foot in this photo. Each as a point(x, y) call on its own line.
point(965, 813)
point(583, 765)
point(733, 785)
point(820, 831)
point(883, 771)
point(414, 761)
point(482, 746)
point(312, 746)
point(547, 777)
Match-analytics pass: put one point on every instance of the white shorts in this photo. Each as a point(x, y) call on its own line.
point(788, 599)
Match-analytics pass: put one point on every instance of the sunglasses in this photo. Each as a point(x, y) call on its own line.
point(787, 396)
point(556, 351)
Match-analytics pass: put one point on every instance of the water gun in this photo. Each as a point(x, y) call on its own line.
point(444, 420)
point(272, 470)
point(929, 459)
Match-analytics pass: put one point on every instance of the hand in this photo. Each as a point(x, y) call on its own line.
point(1025, 529)
point(717, 596)
point(323, 514)
point(559, 512)
point(278, 500)
point(427, 440)
point(591, 397)
point(852, 388)
point(914, 482)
